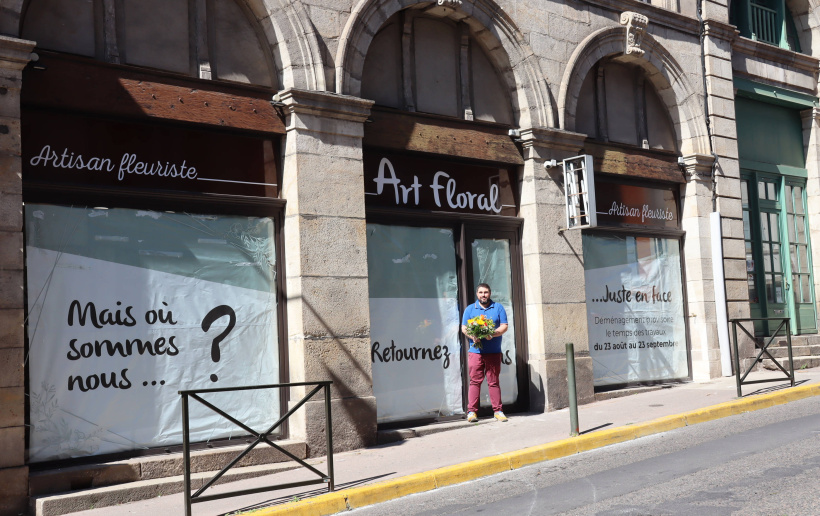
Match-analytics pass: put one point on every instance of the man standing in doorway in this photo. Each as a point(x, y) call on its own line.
point(484, 360)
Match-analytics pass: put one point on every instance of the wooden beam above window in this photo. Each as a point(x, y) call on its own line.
point(433, 134)
point(634, 162)
point(81, 84)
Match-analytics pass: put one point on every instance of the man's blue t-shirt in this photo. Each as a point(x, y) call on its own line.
point(495, 312)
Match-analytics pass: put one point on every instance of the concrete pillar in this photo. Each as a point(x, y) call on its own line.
point(554, 272)
point(328, 322)
point(14, 55)
point(811, 142)
point(696, 197)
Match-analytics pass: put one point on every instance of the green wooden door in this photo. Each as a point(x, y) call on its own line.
point(801, 286)
point(778, 256)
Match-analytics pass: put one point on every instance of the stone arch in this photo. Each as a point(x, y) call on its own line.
point(506, 47)
point(806, 20)
point(285, 24)
point(683, 101)
point(294, 42)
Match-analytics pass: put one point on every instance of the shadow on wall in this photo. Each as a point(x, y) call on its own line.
point(354, 418)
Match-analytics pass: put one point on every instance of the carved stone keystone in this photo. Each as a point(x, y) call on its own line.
point(635, 26)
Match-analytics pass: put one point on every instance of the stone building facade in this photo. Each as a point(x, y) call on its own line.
point(405, 157)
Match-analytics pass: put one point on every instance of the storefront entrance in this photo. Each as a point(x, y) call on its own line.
point(423, 270)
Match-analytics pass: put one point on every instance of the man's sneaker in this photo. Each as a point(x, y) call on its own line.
point(499, 416)
point(471, 417)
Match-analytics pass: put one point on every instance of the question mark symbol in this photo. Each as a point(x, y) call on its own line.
point(213, 315)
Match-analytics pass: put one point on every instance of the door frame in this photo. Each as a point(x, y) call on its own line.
point(469, 233)
point(464, 224)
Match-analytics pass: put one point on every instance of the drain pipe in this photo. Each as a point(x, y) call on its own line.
point(718, 275)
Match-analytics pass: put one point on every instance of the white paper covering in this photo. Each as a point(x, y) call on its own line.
point(634, 334)
point(125, 409)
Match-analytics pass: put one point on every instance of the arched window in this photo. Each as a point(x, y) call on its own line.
point(214, 39)
point(617, 104)
point(434, 65)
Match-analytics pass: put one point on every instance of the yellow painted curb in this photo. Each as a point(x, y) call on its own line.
point(330, 503)
point(662, 424)
point(542, 452)
point(390, 489)
point(605, 437)
point(356, 497)
point(459, 473)
point(708, 414)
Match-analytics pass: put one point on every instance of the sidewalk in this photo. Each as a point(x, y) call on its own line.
point(438, 458)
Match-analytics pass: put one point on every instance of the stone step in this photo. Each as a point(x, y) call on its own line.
point(802, 362)
point(797, 340)
point(797, 351)
point(60, 480)
point(75, 501)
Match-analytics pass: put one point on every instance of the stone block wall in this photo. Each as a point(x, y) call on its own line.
point(14, 55)
point(554, 268)
point(326, 266)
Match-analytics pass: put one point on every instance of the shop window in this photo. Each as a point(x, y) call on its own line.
point(617, 104)
point(768, 21)
point(635, 314)
point(414, 322)
point(434, 65)
point(157, 34)
point(152, 266)
point(127, 306)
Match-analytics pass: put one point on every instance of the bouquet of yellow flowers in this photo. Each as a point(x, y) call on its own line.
point(480, 327)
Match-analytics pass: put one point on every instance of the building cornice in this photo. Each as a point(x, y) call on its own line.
point(720, 30)
point(659, 16)
point(698, 167)
point(324, 104)
point(15, 53)
point(775, 54)
point(538, 142)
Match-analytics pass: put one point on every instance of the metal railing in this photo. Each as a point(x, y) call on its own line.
point(260, 437)
point(764, 23)
point(784, 321)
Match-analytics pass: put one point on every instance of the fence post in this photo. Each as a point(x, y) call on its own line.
point(329, 434)
point(186, 451)
point(573, 396)
point(791, 357)
point(737, 358)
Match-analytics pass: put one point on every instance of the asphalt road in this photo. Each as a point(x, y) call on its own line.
point(765, 462)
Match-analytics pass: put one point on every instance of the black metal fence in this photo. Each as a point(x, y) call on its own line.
point(260, 438)
point(741, 380)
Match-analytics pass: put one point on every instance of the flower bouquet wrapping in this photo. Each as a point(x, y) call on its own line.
point(480, 327)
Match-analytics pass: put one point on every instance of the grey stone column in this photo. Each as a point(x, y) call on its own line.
point(696, 198)
point(328, 320)
point(553, 272)
point(718, 43)
point(14, 55)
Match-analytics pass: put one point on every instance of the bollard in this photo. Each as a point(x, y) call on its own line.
point(573, 397)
